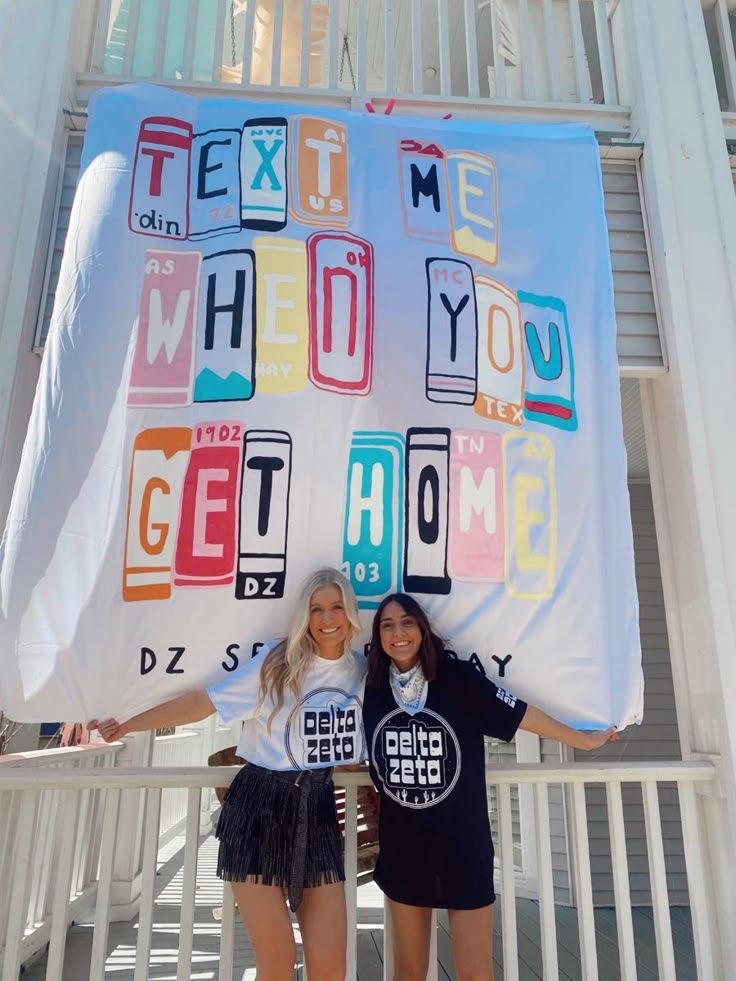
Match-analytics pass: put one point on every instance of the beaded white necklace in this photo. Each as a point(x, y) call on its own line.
point(409, 688)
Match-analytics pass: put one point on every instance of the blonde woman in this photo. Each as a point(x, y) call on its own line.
point(301, 700)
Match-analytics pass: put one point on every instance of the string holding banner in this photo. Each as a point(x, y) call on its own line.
point(343, 339)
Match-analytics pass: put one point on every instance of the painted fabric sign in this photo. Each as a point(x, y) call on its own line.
point(285, 338)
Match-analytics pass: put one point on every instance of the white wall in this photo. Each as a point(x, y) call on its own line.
point(43, 46)
point(663, 53)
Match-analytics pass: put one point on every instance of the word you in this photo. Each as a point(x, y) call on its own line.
point(507, 354)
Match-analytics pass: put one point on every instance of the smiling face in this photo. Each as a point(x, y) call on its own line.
point(401, 636)
point(328, 621)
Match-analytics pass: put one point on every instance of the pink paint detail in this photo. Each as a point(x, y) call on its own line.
point(476, 520)
point(340, 339)
point(150, 180)
point(163, 361)
point(206, 540)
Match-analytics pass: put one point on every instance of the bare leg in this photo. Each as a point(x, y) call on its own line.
point(323, 923)
point(267, 920)
point(471, 933)
point(412, 927)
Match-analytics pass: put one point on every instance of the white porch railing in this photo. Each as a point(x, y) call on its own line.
point(187, 747)
point(179, 749)
point(26, 786)
point(42, 890)
point(526, 51)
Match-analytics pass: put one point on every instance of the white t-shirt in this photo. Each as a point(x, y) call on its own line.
point(322, 728)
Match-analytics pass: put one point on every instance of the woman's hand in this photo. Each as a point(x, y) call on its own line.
point(180, 711)
point(594, 740)
point(111, 730)
point(537, 721)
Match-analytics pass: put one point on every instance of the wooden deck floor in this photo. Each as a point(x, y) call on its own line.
point(122, 939)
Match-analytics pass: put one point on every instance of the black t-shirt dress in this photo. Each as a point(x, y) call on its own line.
point(429, 769)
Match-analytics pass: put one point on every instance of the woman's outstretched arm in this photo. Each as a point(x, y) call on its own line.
point(537, 721)
point(179, 711)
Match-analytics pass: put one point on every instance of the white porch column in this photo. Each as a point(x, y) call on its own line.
point(126, 886)
point(42, 46)
point(667, 78)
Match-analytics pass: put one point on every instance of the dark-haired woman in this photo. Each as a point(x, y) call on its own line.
point(425, 717)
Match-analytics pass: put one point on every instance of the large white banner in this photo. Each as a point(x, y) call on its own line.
point(287, 337)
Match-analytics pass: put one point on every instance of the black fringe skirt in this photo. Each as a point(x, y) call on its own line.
point(279, 827)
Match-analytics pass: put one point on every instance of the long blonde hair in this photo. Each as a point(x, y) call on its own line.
point(287, 664)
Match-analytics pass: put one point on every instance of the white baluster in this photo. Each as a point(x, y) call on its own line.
point(189, 882)
point(605, 53)
point(335, 46)
point(578, 52)
point(190, 36)
point(63, 885)
point(584, 888)
point(725, 40)
point(390, 54)
point(417, 58)
point(17, 885)
point(658, 881)
point(508, 893)
point(43, 861)
point(443, 28)
point(104, 885)
point(219, 42)
point(471, 49)
point(362, 33)
point(102, 32)
point(148, 883)
point(306, 45)
point(159, 48)
point(546, 888)
point(81, 840)
point(525, 45)
point(550, 39)
point(131, 37)
point(277, 30)
point(499, 62)
point(621, 892)
point(247, 59)
point(701, 909)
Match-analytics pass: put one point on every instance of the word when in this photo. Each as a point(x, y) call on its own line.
point(215, 328)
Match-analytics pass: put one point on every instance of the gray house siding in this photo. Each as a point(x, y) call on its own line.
point(657, 738)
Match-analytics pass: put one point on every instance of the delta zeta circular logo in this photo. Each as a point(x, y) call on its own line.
point(417, 757)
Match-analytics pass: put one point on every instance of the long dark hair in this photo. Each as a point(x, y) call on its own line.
point(431, 652)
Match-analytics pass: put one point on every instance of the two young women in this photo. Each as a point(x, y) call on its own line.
point(300, 700)
point(425, 716)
